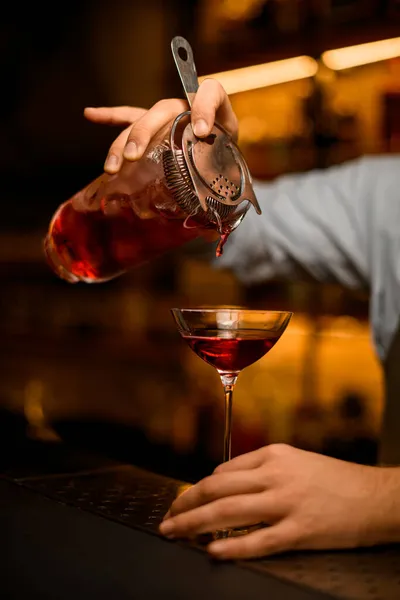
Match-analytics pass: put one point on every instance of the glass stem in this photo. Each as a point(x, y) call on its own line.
point(228, 381)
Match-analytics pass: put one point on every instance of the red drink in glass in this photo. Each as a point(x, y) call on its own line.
point(231, 354)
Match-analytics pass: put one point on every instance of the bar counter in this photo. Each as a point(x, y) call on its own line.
point(92, 533)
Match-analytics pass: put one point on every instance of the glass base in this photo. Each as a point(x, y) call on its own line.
point(236, 531)
point(206, 538)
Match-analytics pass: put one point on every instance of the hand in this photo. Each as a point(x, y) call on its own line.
point(310, 501)
point(141, 125)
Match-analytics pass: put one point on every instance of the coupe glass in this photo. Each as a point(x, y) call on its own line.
point(230, 339)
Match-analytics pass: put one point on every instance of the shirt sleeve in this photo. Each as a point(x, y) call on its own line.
point(339, 225)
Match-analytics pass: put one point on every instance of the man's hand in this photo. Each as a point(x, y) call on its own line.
point(308, 500)
point(141, 126)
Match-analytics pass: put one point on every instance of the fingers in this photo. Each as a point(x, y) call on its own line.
point(212, 103)
point(251, 460)
point(215, 487)
point(233, 511)
point(133, 142)
point(114, 115)
point(281, 537)
point(150, 124)
point(115, 153)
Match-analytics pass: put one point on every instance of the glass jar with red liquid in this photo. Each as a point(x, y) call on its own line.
point(182, 188)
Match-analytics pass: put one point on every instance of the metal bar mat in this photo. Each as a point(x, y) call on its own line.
point(140, 499)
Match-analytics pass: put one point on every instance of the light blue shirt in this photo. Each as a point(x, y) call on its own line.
point(340, 225)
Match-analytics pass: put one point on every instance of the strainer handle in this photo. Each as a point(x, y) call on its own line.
point(183, 56)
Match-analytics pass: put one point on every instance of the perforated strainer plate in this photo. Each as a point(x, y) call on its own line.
point(215, 164)
point(217, 168)
point(223, 186)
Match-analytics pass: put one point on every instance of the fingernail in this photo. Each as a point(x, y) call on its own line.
point(217, 549)
point(200, 128)
point(167, 528)
point(111, 162)
point(131, 150)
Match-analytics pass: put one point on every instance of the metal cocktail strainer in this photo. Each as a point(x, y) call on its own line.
point(209, 177)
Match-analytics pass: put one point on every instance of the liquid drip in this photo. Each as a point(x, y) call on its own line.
point(220, 248)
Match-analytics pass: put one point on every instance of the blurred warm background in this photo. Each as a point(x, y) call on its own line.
point(102, 367)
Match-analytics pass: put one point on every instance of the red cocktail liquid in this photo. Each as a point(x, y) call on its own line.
point(97, 245)
point(94, 237)
point(230, 352)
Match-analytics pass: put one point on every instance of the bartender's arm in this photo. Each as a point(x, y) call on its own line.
point(341, 224)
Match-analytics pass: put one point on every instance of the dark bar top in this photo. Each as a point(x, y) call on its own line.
point(92, 533)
